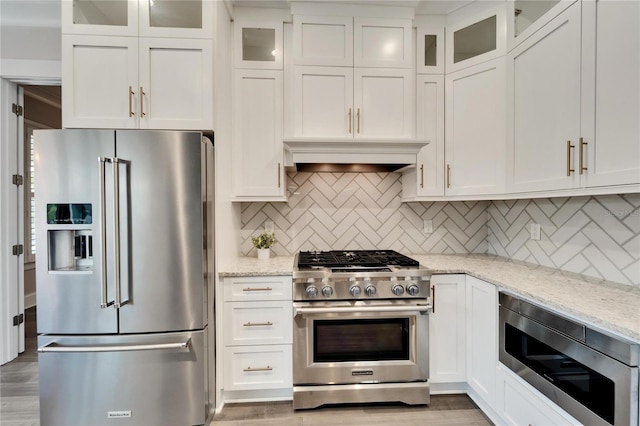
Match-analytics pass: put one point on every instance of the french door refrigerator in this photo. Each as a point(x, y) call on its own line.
point(124, 228)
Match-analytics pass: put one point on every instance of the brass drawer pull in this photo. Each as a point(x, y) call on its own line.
point(131, 93)
point(569, 148)
point(421, 175)
point(257, 324)
point(257, 289)
point(267, 368)
point(582, 167)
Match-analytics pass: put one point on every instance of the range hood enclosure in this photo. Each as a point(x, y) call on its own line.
point(388, 154)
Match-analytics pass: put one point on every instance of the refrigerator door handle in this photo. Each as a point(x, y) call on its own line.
point(103, 233)
point(55, 347)
point(116, 225)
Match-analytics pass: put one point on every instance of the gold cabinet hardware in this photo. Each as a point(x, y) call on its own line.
point(131, 93)
point(582, 167)
point(142, 114)
point(569, 148)
point(349, 120)
point(358, 114)
point(257, 324)
point(448, 175)
point(433, 299)
point(421, 175)
point(267, 368)
point(278, 175)
point(257, 289)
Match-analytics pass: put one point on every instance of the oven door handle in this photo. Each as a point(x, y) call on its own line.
point(423, 309)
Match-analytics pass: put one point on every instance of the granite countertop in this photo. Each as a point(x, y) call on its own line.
point(611, 306)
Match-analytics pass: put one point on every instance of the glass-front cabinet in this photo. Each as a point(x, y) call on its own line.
point(258, 43)
point(151, 18)
point(430, 44)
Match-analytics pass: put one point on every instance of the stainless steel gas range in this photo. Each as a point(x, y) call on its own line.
point(361, 328)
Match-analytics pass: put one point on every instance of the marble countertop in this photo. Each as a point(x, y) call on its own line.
point(611, 306)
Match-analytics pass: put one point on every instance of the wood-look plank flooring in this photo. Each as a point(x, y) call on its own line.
point(19, 405)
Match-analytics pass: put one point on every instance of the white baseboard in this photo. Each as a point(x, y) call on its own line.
point(29, 300)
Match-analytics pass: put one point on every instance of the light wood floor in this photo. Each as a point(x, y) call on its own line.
point(19, 404)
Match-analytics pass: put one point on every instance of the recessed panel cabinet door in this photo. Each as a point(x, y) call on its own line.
point(383, 102)
point(258, 169)
point(544, 120)
point(323, 102)
point(99, 80)
point(610, 94)
point(176, 80)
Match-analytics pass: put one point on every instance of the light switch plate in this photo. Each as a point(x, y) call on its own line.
point(428, 226)
point(534, 230)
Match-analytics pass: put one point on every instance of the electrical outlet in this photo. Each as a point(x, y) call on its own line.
point(534, 230)
point(269, 226)
point(428, 226)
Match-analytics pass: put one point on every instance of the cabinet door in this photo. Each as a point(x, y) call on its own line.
point(323, 99)
point(382, 42)
point(475, 136)
point(176, 84)
point(544, 92)
point(258, 44)
point(258, 323)
point(257, 367)
point(447, 330)
point(482, 338)
point(430, 45)
point(186, 18)
point(610, 94)
point(323, 40)
point(100, 81)
point(100, 17)
point(257, 154)
point(383, 100)
point(430, 119)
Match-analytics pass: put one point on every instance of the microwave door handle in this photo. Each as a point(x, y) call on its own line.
point(103, 233)
point(297, 310)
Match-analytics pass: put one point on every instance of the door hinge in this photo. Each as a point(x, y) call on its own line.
point(18, 319)
point(16, 109)
point(17, 180)
point(18, 249)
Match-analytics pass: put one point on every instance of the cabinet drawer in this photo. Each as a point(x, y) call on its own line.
point(258, 323)
point(238, 289)
point(257, 367)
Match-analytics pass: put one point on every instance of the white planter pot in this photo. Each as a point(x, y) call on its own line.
point(263, 254)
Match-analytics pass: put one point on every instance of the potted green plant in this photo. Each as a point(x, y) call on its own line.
point(263, 243)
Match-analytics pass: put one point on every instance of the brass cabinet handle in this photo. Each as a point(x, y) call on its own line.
point(448, 175)
point(433, 299)
point(582, 144)
point(257, 324)
point(131, 93)
point(358, 114)
point(421, 175)
point(257, 289)
point(142, 114)
point(350, 120)
point(267, 368)
point(569, 148)
point(278, 175)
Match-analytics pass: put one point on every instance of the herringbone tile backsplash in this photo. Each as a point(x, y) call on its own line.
point(595, 236)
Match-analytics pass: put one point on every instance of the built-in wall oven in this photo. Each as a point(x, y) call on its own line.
point(591, 375)
point(360, 330)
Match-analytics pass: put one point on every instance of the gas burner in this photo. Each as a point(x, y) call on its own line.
point(346, 258)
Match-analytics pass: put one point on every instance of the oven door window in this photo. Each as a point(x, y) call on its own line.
point(361, 340)
point(588, 387)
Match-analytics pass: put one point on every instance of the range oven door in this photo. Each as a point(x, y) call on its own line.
point(592, 387)
point(360, 342)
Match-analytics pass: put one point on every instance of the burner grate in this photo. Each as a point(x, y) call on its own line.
point(345, 258)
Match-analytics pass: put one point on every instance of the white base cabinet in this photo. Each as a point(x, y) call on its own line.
point(255, 331)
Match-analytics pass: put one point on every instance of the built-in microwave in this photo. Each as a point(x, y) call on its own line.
point(589, 373)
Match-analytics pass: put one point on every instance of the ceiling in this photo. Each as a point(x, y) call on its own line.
point(46, 13)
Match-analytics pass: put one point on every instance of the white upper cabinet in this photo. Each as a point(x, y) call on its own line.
point(430, 44)
point(151, 18)
point(609, 151)
point(347, 41)
point(475, 130)
point(474, 36)
point(544, 121)
point(323, 40)
point(258, 42)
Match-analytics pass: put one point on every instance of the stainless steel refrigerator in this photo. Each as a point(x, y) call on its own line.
point(125, 255)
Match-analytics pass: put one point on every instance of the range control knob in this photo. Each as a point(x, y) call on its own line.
point(370, 290)
point(312, 291)
point(397, 289)
point(355, 290)
point(327, 291)
point(413, 289)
